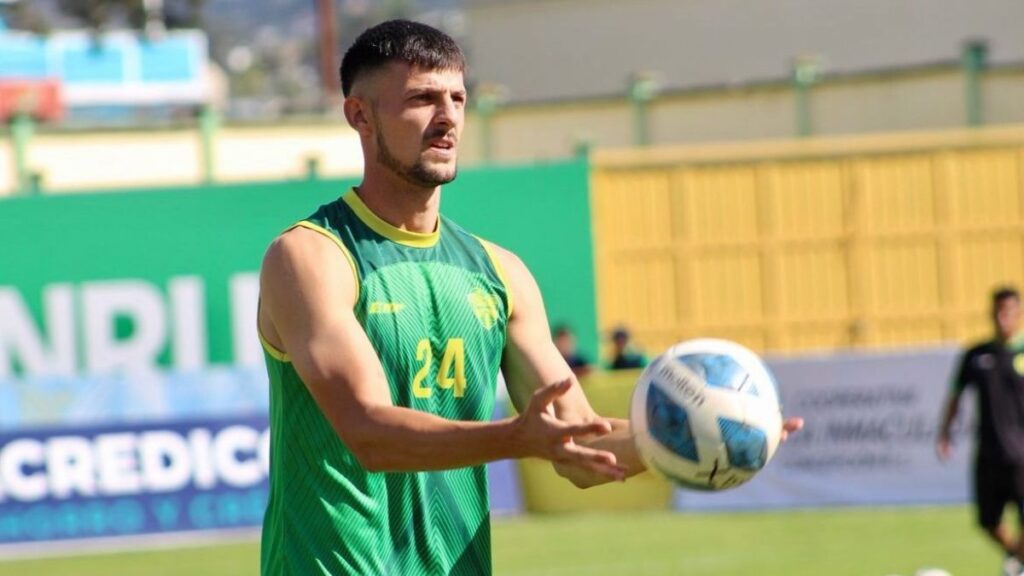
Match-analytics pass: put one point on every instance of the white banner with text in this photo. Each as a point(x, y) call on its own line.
point(869, 439)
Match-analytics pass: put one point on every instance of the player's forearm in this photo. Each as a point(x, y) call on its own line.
point(948, 417)
point(619, 442)
point(395, 439)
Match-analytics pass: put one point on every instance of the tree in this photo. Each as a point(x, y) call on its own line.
point(97, 14)
point(183, 13)
point(24, 16)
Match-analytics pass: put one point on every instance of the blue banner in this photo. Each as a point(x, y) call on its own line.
point(147, 453)
point(134, 478)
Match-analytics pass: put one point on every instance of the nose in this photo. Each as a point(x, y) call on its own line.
point(447, 111)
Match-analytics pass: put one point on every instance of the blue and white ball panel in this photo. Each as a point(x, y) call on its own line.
point(768, 419)
point(712, 472)
point(681, 440)
point(720, 371)
point(664, 455)
point(669, 424)
point(745, 446)
point(726, 370)
point(686, 388)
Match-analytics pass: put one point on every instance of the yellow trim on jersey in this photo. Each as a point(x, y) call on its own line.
point(500, 270)
point(341, 245)
point(274, 352)
point(413, 239)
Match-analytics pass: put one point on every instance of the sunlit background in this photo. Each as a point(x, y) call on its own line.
point(837, 185)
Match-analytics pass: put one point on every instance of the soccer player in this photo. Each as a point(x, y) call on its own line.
point(385, 326)
point(996, 371)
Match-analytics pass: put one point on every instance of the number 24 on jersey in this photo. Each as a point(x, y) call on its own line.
point(451, 374)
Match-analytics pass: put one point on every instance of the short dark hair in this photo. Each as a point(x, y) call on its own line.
point(1004, 293)
point(399, 41)
point(562, 330)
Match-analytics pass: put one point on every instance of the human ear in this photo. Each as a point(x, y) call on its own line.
point(357, 113)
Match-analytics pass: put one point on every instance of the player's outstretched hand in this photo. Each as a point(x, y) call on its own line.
point(789, 426)
point(543, 435)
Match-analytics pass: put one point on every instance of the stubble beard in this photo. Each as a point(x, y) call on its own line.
point(418, 174)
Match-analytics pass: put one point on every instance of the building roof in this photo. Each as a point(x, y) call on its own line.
point(561, 49)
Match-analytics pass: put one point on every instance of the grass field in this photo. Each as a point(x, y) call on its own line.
point(846, 542)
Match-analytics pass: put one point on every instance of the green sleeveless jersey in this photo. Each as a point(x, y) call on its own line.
point(435, 307)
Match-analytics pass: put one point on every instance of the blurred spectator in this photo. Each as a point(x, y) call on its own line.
point(995, 369)
point(565, 341)
point(624, 356)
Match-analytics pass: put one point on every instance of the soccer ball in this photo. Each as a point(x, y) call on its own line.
point(705, 414)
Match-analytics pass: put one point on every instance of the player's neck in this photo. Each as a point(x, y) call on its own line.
point(399, 203)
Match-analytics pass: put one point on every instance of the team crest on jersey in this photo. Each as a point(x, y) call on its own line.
point(485, 306)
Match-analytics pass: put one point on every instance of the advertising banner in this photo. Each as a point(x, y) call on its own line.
point(116, 480)
point(871, 425)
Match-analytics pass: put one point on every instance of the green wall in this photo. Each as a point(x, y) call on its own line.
point(214, 232)
point(542, 213)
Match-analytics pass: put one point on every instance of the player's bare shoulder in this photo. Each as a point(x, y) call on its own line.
point(509, 263)
point(288, 254)
point(305, 264)
point(300, 251)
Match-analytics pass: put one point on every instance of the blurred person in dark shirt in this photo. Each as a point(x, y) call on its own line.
point(625, 356)
point(565, 341)
point(995, 369)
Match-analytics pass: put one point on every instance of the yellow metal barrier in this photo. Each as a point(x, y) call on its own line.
point(545, 491)
point(818, 244)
